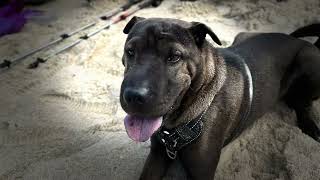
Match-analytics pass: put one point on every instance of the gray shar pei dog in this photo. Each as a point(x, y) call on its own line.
point(191, 98)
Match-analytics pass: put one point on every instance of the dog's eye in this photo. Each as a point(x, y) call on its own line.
point(175, 57)
point(130, 52)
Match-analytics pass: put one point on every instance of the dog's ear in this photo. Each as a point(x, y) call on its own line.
point(131, 23)
point(199, 32)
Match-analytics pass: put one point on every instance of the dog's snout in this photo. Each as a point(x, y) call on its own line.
point(136, 96)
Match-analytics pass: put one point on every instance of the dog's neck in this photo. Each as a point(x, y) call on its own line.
point(203, 90)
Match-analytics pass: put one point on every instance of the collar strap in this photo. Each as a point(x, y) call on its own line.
point(245, 70)
point(176, 138)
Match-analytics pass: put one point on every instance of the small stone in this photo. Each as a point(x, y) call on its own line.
point(4, 125)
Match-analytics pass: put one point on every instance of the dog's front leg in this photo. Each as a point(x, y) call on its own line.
point(200, 158)
point(157, 163)
point(199, 166)
point(200, 163)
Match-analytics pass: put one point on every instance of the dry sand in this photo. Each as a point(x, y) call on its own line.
point(63, 120)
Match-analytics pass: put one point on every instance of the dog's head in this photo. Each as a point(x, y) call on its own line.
point(162, 59)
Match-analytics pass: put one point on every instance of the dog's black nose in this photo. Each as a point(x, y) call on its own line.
point(137, 96)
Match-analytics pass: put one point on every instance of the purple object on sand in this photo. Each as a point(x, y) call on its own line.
point(12, 24)
point(13, 17)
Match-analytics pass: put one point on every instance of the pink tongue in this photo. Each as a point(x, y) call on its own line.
point(141, 129)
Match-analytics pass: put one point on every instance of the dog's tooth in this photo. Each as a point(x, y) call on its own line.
point(163, 140)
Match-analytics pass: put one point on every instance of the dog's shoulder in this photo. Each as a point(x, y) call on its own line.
point(231, 58)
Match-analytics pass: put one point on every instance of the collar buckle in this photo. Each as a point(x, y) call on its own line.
point(176, 138)
point(171, 154)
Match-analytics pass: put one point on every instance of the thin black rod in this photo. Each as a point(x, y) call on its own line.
point(115, 20)
point(7, 63)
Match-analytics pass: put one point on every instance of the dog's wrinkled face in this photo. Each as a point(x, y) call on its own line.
point(160, 58)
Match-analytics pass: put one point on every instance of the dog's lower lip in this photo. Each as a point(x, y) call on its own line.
point(144, 116)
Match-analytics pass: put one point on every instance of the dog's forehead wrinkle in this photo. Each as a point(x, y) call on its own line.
point(167, 21)
point(130, 42)
point(157, 27)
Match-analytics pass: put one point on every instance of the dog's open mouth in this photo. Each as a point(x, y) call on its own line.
point(141, 129)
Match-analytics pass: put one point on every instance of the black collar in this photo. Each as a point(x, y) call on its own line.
point(176, 138)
